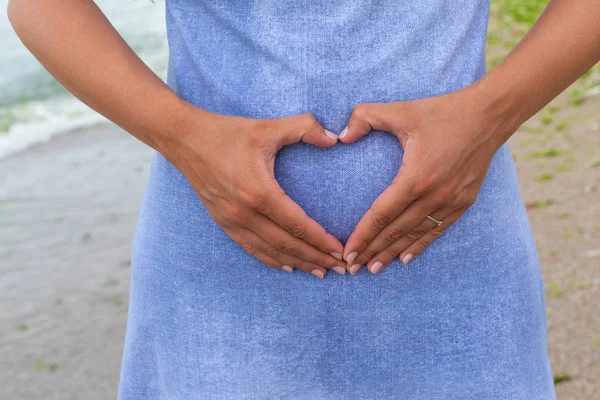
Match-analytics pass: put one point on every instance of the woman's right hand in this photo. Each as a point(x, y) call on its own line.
point(229, 161)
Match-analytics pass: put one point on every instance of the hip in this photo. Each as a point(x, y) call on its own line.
point(336, 186)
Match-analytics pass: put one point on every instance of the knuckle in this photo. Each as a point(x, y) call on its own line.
point(415, 235)
point(380, 220)
point(422, 243)
point(271, 251)
point(418, 232)
point(466, 199)
point(396, 232)
point(436, 232)
point(443, 195)
point(309, 122)
point(422, 186)
point(298, 229)
point(291, 248)
point(248, 248)
point(389, 254)
point(364, 256)
point(237, 214)
point(360, 112)
point(325, 262)
point(362, 239)
point(253, 199)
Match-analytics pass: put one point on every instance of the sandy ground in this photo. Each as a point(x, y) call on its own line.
point(67, 211)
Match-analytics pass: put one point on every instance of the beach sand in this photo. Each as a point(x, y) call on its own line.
point(68, 210)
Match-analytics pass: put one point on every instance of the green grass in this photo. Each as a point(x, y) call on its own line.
point(581, 285)
point(560, 378)
point(553, 152)
point(523, 11)
point(544, 176)
point(539, 204)
point(554, 289)
point(564, 167)
point(562, 125)
point(576, 96)
point(547, 119)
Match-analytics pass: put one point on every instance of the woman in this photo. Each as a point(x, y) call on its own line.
point(250, 174)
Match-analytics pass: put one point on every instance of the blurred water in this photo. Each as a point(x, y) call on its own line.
point(34, 107)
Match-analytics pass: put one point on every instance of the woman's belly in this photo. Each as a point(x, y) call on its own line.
point(336, 185)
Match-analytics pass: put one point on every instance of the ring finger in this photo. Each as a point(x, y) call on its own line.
point(427, 227)
point(406, 225)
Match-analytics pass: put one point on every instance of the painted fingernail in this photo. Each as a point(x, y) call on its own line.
point(317, 273)
point(354, 269)
point(407, 258)
point(339, 270)
point(331, 135)
point(351, 257)
point(343, 133)
point(336, 255)
point(376, 267)
point(287, 268)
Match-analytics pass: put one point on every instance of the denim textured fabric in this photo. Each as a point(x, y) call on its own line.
point(464, 320)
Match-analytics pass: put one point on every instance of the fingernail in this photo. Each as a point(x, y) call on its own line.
point(407, 258)
point(339, 270)
point(331, 135)
point(354, 269)
point(376, 267)
point(287, 268)
point(317, 273)
point(343, 133)
point(352, 257)
point(336, 255)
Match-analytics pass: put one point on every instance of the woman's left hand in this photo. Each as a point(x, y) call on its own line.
point(449, 142)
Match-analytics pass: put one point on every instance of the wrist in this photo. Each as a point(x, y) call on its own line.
point(501, 104)
point(182, 119)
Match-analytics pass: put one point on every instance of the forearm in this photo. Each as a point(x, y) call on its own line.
point(75, 42)
point(562, 45)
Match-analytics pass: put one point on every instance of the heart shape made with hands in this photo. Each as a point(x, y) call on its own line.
point(399, 168)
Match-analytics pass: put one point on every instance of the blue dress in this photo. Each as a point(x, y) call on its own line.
point(464, 320)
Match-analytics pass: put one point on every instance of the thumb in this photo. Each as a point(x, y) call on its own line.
point(366, 117)
point(305, 128)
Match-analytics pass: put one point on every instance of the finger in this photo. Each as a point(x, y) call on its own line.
point(408, 227)
point(286, 243)
point(256, 242)
point(419, 245)
point(378, 262)
point(286, 213)
point(366, 117)
point(253, 251)
point(306, 128)
point(384, 210)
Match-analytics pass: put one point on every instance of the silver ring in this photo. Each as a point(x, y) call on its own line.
point(439, 223)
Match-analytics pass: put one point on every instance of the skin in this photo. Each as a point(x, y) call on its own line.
point(438, 177)
point(229, 161)
point(449, 140)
